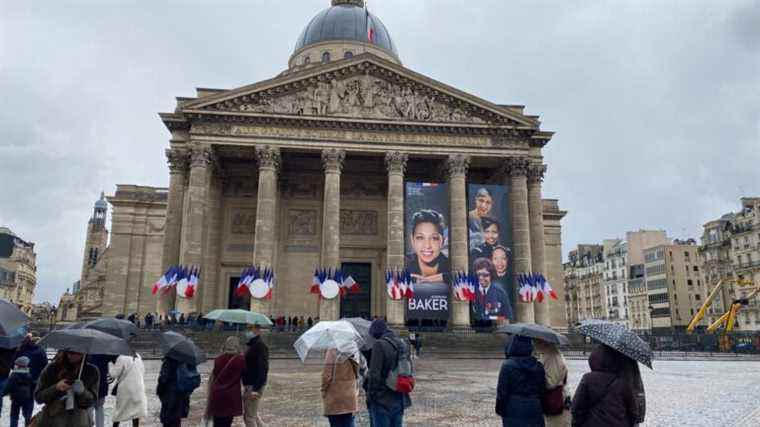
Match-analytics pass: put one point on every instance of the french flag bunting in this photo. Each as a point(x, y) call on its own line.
point(315, 282)
point(192, 281)
point(243, 287)
point(391, 281)
point(162, 282)
point(349, 285)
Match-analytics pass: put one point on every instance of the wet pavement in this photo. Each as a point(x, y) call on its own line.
point(461, 393)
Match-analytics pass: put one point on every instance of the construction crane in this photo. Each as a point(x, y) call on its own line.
point(727, 320)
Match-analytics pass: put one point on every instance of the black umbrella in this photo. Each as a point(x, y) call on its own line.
point(618, 337)
point(181, 348)
point(532, 330)
point(14, 339)
point(11, 318)
point(86, 341)
point(362, 327)
point(110, 325)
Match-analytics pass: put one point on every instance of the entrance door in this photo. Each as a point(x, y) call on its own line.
point(235, 301)
point(358, 304)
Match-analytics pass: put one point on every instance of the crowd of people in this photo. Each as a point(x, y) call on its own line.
point(531, 388)
point(532, 391)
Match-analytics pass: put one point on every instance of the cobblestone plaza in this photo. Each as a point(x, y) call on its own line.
point(457, 392)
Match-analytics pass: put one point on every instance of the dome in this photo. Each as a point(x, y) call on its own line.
point(101, 203)
point(346, 20)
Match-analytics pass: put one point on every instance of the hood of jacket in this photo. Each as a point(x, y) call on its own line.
point(605, 359)
point(518, 346)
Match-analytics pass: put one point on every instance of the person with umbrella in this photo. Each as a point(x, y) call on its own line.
point(12, 331)
point(119, 328)
point(68, 386)
point(521, 385)
point(68, 389)
point(612, 394)
point(555, 369)
point(178, 377)
point(340, 383)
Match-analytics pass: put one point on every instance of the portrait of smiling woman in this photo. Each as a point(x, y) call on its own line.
point(427, 263)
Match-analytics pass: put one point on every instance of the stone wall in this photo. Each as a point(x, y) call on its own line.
point(139, 215)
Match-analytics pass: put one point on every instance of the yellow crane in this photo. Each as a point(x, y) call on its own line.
point(728, 319)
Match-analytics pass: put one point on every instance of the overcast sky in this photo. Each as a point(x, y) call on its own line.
point(656, 104)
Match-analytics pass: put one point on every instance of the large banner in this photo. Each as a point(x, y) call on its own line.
point(490, 258)
point(426, 213)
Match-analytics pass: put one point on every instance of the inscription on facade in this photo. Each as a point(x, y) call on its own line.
point(302, 222)
point(242, 221)
point(240, 187)
point(358, 222)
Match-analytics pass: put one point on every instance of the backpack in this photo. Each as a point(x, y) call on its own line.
point(23, 390)
point(401, 377)
point(188, 378)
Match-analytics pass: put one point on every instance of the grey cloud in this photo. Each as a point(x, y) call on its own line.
point(654, 103)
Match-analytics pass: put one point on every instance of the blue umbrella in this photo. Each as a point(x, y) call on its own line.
point(15, 338)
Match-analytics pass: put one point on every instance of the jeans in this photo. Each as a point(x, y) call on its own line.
point(382, 417)
point(342, 420)
point(26, 408)
point(2, 387)
point(100, 413)
point(223, 421)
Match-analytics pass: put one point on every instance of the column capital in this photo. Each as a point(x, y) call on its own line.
point(177, 160)
point(268, 157)
point(332, 159)
point(515, 166)
point(201, 155)
point(536, 172)
point(395, 162)
point(457, 164)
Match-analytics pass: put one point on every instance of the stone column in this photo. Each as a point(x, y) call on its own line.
point(536, 214)
point(332, 162)
point(456, 168)
point(266, 211)
point(194, 221)
point(516, 169)
point(177, 160)
point(395, 162)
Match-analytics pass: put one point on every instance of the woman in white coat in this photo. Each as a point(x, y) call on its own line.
point(555, 369)
point(131, 403)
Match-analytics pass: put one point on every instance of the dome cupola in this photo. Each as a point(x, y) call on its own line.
point(343, 30)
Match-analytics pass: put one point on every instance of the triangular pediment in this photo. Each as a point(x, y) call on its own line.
point(364, 88)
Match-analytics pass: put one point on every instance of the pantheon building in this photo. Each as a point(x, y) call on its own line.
point(312, 169)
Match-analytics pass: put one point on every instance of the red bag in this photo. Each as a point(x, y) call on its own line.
point(553, 401)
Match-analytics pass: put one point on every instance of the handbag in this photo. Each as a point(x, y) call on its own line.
point(115, 388)
point(553, 400)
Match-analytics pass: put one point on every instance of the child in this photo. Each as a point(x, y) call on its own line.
point(20, 387)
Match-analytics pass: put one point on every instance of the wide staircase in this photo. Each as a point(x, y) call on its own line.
point(467, 344)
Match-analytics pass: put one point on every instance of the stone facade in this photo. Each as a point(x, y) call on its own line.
point(18, 270)
point(308, 169)
point(730, 250)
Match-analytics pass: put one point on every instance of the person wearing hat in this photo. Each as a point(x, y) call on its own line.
point(20, 388)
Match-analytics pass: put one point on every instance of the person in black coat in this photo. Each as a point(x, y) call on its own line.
point(254, 376)
point(174, 405)
point(101, 362)
point(386, 407)
point(604, 397)
point(521, 386)
point(6, 365)
point(37, 356)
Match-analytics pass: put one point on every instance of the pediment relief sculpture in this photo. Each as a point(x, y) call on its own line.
point(366, 92)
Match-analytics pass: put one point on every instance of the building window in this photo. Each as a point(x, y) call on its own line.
point(306, 59)
point(326, 57)
point(697, 297)
point(690, 282)
point(696, 268)
point(348, 54)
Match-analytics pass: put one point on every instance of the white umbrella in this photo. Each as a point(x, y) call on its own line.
point(326, 335)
